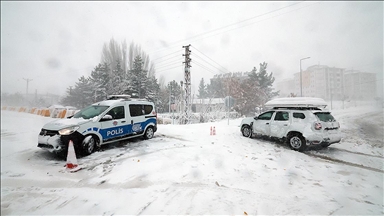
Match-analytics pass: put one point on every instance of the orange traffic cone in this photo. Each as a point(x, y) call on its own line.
point(211, 133)
point(72, 165)
point(214, 130)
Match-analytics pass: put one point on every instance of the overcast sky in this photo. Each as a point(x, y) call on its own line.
point(54, 43)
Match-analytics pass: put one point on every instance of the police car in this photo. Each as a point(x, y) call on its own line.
point(118, 118)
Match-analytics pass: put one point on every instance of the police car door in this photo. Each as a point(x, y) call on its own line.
point(117, 127)
point(261, 124)
point(137, 118)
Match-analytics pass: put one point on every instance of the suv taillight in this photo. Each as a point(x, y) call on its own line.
point(318, 125)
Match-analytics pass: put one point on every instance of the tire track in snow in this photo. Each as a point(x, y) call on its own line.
point(343, 162)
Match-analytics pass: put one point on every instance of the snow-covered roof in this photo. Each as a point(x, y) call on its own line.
point(56, 106)
point(297, 102)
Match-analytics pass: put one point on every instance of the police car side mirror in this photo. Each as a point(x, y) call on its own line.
point(106, 118)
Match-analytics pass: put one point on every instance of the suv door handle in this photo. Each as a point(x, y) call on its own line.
point(266, 123)
point(285, 125)
point(122, 121)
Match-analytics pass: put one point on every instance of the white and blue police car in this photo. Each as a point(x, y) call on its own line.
point(118, 118)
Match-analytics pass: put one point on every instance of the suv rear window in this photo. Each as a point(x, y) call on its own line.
point(325, 116)
point(299, 115)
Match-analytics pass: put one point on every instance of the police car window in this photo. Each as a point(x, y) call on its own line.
point(147, 109)
point(299, 115)
point(90, 112)
point(117, 112)
point(135, 110)
point(265, 116)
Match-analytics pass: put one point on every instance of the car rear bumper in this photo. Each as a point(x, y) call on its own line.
point(326, 139)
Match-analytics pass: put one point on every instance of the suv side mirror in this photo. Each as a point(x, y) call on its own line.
point(106, 118)
point(255, 117)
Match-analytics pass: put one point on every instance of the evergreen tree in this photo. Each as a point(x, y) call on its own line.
point(100, 79)
point(118, 79)
point(153, 90)
point(138, 78)
point(266, 82)
point(202, 93)
point(249, 95)
point(81, 95)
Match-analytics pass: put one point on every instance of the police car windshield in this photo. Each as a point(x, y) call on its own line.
point(90, 112)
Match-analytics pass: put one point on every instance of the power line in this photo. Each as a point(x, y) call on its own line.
point(204, 67)
point(165, 60)
point(253, 22)
point(167, 69)
point(213, 61)
point(177, 42)
point(209, 63)
point(166, 55)
point(236, 23)
point(166, 65)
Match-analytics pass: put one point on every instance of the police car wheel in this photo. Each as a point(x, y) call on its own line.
point(149, 133)
point(89, 145)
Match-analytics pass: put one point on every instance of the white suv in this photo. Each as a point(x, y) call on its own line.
point(115, 119)
point(298, 121)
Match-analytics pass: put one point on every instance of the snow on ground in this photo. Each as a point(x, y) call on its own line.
point(183, 170)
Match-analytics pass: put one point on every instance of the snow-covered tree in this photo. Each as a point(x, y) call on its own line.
point(137, 78)
point(202, 92)
point(81, 95)
point(118, 79)
point(153, 89)
point(266, 82)
point(101, 81)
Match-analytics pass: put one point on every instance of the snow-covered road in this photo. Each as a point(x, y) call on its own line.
point(184, 170)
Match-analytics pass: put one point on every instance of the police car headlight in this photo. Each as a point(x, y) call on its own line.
point(67, 131)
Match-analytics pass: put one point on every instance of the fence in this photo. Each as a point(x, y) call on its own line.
point(46, 112)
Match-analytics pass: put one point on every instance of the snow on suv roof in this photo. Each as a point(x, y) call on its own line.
point(297, 102)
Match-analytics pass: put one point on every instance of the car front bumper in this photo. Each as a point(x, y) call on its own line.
point(54, 142)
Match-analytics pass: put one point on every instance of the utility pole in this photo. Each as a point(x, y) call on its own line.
point(187, 77)
point(301, 79)
point(181, 103)
point(26, 93)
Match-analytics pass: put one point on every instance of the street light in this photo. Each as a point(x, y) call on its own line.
point(301, 79)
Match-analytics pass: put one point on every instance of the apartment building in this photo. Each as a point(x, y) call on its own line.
point(331, 83)
point(359, 85)
point(320, 81)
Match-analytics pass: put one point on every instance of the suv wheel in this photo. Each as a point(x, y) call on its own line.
point(246, 131)
point(149, 133)
point(89, 144)
point(297, 142)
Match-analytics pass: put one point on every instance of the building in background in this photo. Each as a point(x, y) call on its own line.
point(360, 85)
point(331, 83)
point(320, 81)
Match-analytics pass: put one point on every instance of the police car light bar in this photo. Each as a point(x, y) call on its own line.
point(114, 97)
